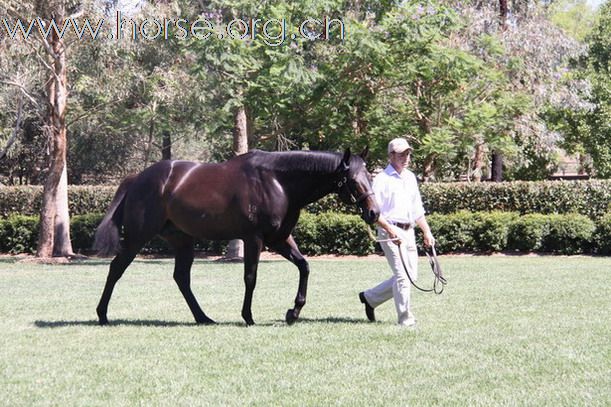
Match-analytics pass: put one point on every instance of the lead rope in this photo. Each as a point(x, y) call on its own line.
point(438, 281)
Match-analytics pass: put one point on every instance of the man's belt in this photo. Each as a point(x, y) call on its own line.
point(404, 226)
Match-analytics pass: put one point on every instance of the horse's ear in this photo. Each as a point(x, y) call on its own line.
point(346, 159)
point(365, 153)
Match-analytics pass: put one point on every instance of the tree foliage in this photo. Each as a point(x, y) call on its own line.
point(587, 129)
point(448, 75)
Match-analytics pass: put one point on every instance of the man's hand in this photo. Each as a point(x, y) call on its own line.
point(390, 230)
point(429, 240)
point(393, 236)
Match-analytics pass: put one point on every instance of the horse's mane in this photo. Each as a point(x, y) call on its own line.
point(285, 161)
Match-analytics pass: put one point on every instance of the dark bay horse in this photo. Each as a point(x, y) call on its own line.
point(255, 197)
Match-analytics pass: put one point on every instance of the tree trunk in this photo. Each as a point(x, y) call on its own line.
point(55, 129)
point(428, 169)
point(503, 11)
point(582, 164)
point(62, 245)
point(235, 249)
point(497, 167)
point(478, 163)
point(358, 122)
point(497, 157)
point(54, 237)
point(149, 144)
point(240, 132)
point(166, 146)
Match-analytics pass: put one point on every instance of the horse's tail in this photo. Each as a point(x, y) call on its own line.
point(107, 236)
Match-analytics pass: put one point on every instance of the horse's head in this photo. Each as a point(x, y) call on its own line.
point(354, 185)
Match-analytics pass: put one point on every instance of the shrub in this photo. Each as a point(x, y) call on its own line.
point(22, 200)
point(333, 233)
point(83, 227)
point(336, 233)
point(87, 199)
point(602, 235)
point(569, 234)
point(526, 233)
point(490, 230)
point(464, 231)
point(344, 234)
point(453, 232)
point(591, 198)
point(330, 203)
point(26, 200)
point(18, 234)
point(82, 230)
point(306, 234)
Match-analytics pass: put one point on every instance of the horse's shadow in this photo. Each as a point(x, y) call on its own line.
point(117, 322)
point(165, 324)
point(124, 322)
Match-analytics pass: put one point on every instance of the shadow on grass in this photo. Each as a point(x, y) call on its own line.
point(161, 324)
point(94, 322)
point(132, 322)
point(328, 320)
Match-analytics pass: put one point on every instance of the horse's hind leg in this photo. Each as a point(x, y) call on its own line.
point(117, 267)
point(183, 247)
point(288, 249)
point(134, 240)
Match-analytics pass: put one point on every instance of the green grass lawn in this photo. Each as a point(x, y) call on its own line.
point(506, 331)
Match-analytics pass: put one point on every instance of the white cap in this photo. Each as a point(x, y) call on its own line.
point(398, 145)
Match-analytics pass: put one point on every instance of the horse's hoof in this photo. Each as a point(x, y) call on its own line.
point(250, 322)
point(102, 318)
point(291, 317)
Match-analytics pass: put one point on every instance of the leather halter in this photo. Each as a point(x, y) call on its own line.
point(343, 184)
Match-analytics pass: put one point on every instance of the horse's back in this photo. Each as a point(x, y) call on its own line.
point(228, 200)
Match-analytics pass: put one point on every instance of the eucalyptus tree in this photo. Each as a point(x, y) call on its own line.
point(48, 50)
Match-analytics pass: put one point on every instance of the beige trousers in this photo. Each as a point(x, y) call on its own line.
point(398, 286)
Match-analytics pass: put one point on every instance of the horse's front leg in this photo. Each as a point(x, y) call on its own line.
point(288, 249)
point(252, 252)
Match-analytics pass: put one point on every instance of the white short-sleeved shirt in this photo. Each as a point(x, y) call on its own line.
point(398, 195)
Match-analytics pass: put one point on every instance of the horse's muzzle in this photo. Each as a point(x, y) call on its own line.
point(370, 215)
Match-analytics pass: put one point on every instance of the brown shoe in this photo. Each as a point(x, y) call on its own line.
point(368, 308)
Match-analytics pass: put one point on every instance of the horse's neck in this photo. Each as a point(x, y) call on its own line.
point(305, 177)
point(303, 190)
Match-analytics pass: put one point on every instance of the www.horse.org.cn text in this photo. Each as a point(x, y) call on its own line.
point(272, 31)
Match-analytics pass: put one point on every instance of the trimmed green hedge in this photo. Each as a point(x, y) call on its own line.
point(334, 233)
point(26, 200)
point(507, 231)
point(19, 234)
point(564, 234)
point(569, 234)
point(591, 198)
